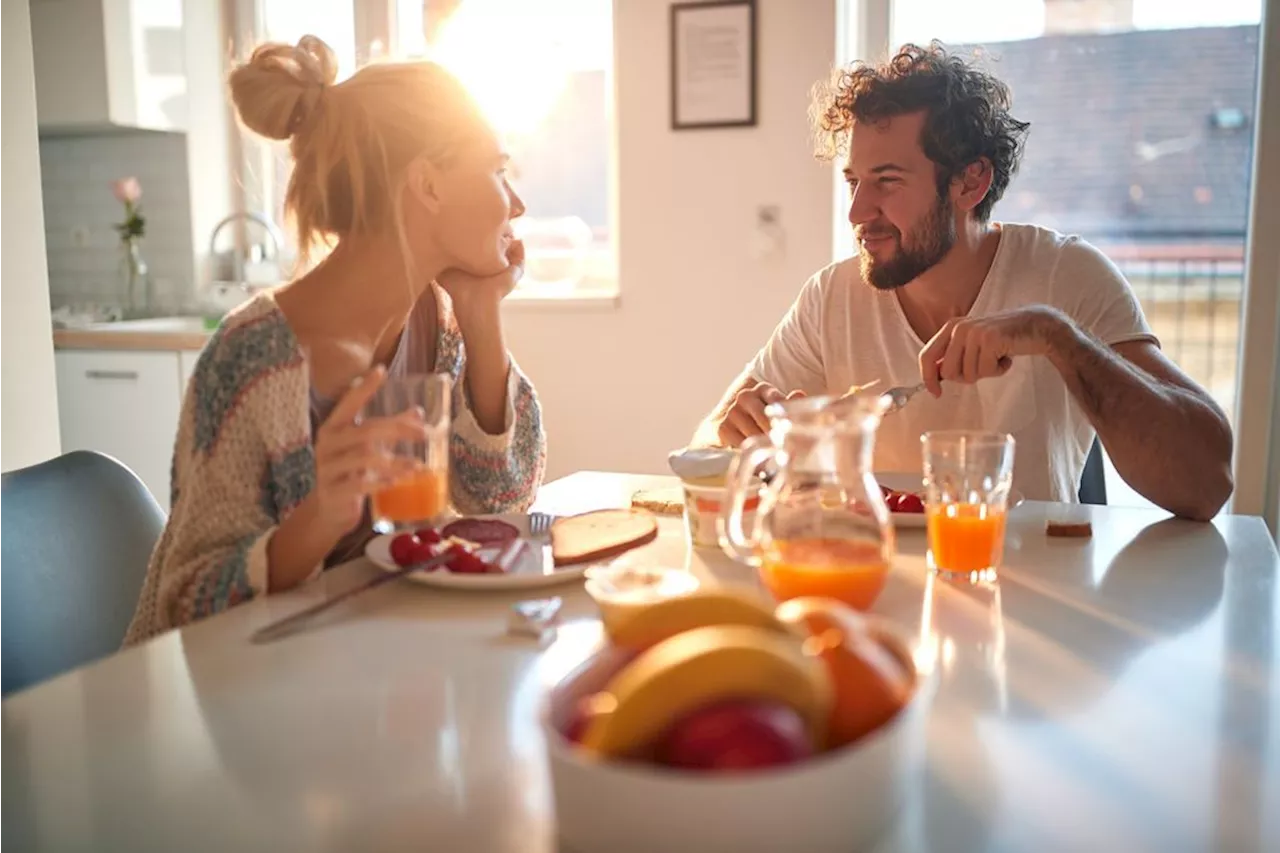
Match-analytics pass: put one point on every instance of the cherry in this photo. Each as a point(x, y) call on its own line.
point(430, 535)
point(910, 503)
point(463, 562)
point(404, 549)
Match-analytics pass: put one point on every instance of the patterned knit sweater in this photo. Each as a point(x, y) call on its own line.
point(244, 460)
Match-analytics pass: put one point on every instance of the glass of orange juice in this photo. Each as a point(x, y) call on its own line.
point(422, 496)
point(967, 478)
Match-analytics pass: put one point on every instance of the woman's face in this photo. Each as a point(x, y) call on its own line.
point(467, 209)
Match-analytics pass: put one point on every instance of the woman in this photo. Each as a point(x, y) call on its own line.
point(398, 174)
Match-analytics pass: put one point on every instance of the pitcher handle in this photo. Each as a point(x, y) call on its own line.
point(755, 452)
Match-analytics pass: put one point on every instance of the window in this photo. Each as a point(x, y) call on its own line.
point(541, 71)
point(1142, 116)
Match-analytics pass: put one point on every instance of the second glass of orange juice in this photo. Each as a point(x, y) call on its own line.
point(967, 478)
point(422, 496)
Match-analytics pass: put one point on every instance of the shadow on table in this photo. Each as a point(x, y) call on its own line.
point(1027, 647)
point(1070, 643)
point(404, 735)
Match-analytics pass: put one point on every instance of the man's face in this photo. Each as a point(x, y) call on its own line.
point(901, 223)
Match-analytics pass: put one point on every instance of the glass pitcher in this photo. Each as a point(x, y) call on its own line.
point(822, 527)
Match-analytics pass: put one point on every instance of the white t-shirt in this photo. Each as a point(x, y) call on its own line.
point(842, 332)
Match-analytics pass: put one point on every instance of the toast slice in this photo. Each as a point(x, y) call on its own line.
point(601, 534)
point(662, 501)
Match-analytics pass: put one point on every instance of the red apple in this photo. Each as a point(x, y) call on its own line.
point(579, 716)
point(736, 735)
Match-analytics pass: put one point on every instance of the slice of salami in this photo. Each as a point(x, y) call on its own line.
point(482, 531)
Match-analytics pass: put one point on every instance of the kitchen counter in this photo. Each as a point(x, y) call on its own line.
point(161, 333)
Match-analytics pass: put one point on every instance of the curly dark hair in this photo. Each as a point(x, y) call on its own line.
point(967, 113)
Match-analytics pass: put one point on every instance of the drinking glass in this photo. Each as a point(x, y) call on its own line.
point(967, 479)
point(422, 496)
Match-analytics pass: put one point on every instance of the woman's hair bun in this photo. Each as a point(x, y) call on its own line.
point(280, 87)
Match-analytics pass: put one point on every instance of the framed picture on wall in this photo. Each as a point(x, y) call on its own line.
point(713, 64)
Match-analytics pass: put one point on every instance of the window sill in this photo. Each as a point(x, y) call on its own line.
point(590, 299)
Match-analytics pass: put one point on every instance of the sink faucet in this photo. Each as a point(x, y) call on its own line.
point(251, 216)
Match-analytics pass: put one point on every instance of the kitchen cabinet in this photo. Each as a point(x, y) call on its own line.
point(124, 404)
point(109, 63)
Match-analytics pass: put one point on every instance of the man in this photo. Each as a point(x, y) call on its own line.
point(1012, 328)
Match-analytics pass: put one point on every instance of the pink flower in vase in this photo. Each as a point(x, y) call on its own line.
point(127, 190)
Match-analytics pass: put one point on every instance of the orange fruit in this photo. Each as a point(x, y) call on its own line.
point(871, 682)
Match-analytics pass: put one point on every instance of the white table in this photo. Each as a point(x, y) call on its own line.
point(1117, 694)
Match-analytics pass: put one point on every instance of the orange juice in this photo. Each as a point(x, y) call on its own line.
point(419, 497)
point(852, 571)
point(966, 537)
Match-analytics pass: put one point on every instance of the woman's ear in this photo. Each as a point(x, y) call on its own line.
point(423, 183)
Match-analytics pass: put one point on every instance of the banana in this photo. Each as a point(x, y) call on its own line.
point(667, 617)
point(699, 667)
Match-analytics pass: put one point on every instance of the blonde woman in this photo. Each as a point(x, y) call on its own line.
point(397, 174)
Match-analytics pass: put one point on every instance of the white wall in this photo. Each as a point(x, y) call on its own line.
point(622, 385)
point(28, 399)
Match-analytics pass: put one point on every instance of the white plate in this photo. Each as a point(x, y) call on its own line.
point(915, 483)
point(535, 567)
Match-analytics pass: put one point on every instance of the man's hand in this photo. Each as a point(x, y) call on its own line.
point(745, 417)
point(967, 349)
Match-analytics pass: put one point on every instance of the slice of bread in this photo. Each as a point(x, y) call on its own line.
point(668, 500)
point(600, 534)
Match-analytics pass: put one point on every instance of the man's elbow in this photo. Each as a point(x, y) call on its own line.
point(1210, 494)
point(1212, 487)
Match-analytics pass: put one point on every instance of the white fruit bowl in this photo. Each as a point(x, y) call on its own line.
point(839, 801)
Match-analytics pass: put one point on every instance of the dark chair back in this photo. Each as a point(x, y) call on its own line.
point(1093, 480)
point(76, 534)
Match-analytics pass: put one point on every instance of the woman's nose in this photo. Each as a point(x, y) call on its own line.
point(517, 203)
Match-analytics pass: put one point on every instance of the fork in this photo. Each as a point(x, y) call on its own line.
point(539, 524)
point(896, 398)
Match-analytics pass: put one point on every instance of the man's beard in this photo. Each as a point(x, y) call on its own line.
point(933, 239)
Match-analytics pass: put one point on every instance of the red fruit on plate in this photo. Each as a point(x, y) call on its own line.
point(736, 735)
point(893, 500)
point(463, 562)
point(404, 549)
point(430, 535)
point(910, 503)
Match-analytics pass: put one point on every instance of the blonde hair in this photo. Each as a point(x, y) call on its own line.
point(351, 142)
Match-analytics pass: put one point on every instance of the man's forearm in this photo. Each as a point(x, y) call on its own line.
point(1168, 442)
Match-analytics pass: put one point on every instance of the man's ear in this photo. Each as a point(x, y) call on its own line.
point(973, 183)
point(422, 179)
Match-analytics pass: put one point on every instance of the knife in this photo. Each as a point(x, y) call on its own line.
point(289, 624)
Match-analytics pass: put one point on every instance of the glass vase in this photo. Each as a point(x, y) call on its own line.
point(135, 282)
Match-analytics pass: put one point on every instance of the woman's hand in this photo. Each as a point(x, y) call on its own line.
point(473, 294)
point(354, 457)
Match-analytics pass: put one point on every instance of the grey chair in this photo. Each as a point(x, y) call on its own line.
point(76, 533)
point(1093, 480)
